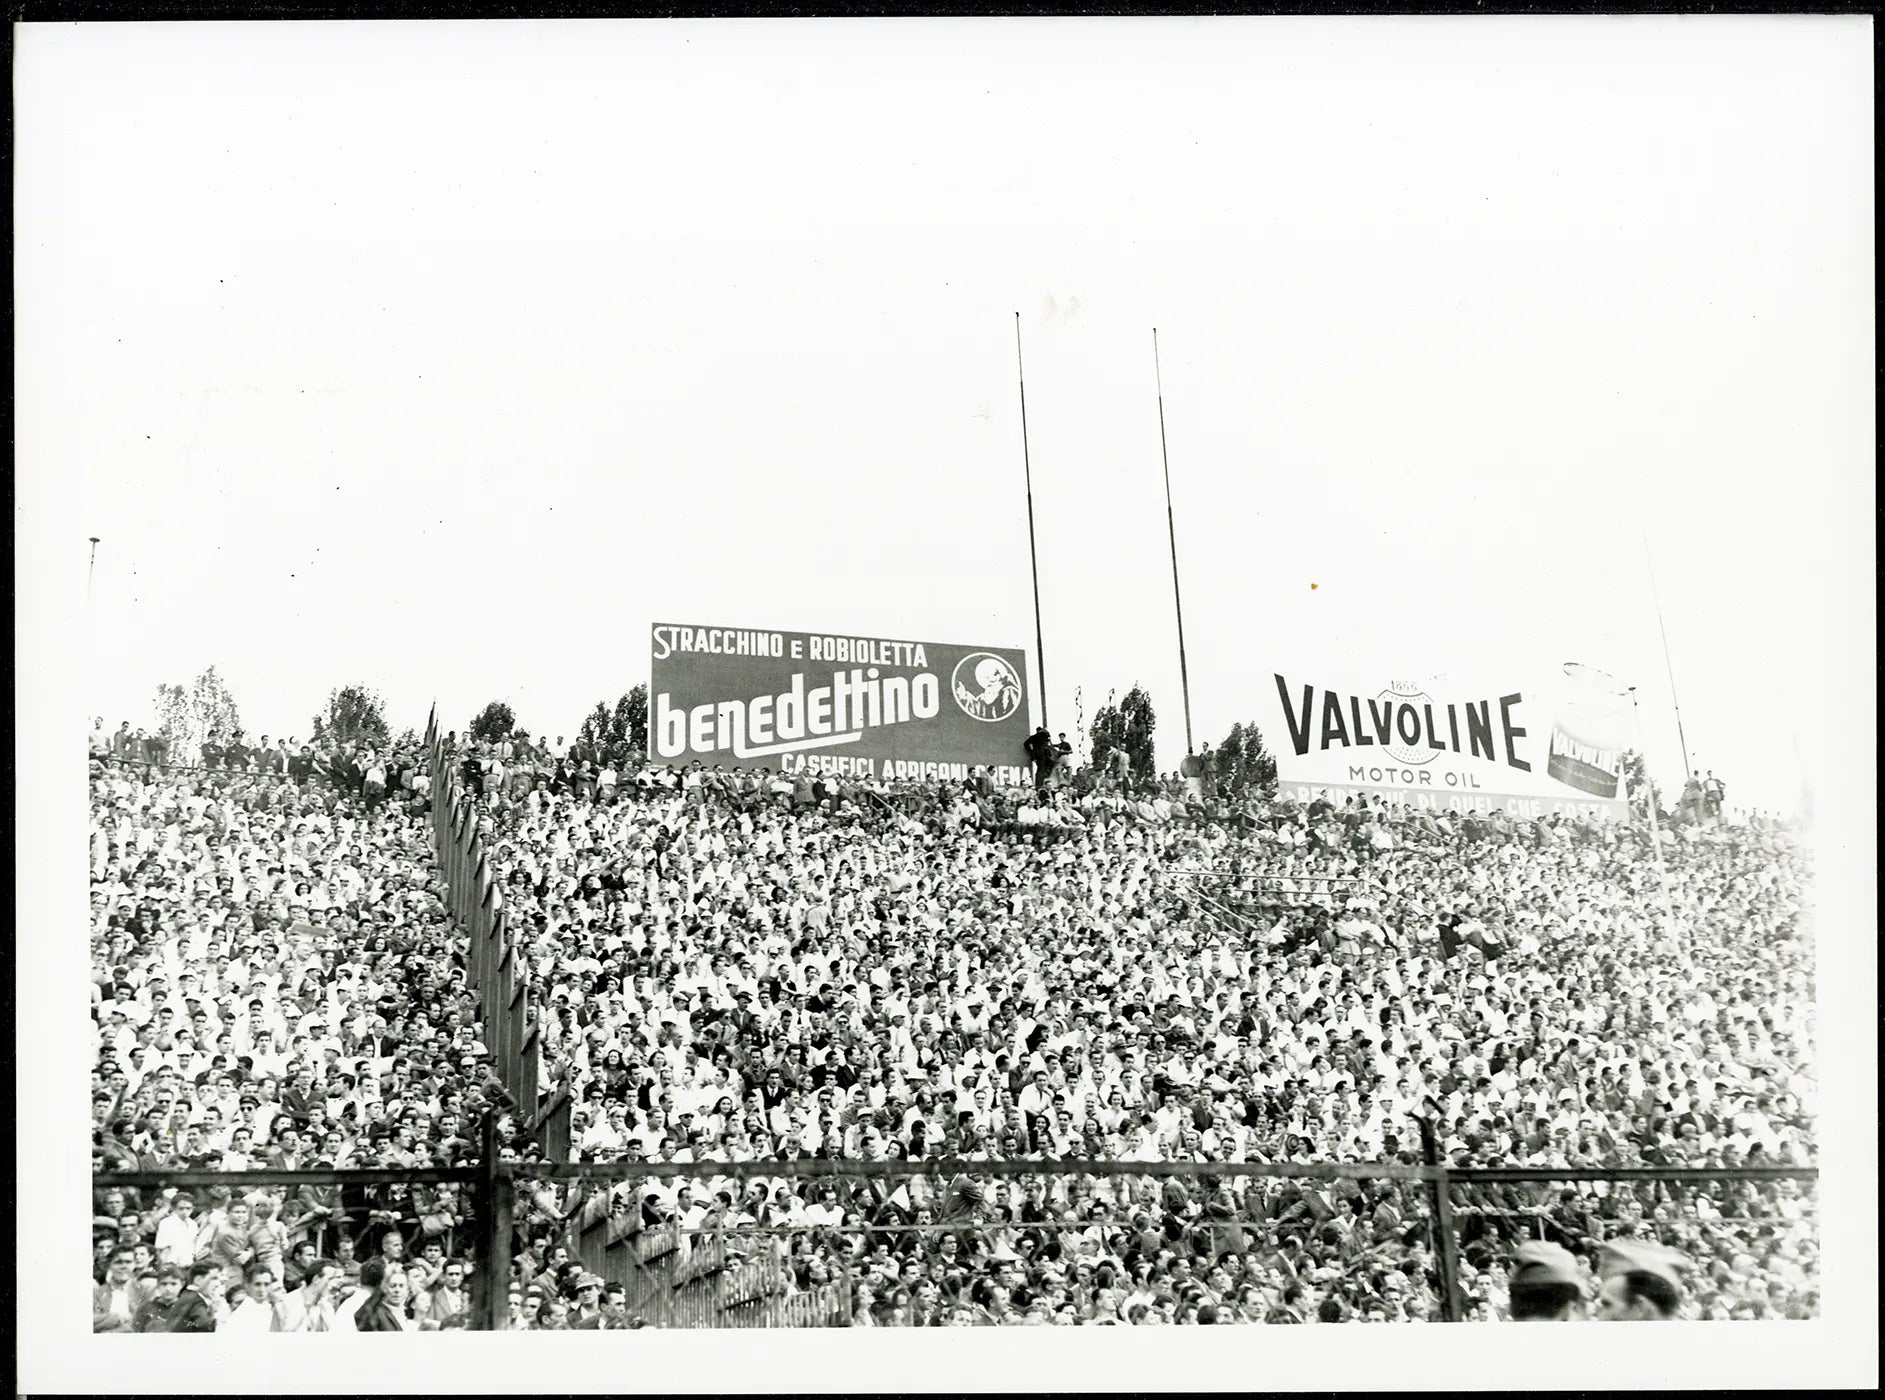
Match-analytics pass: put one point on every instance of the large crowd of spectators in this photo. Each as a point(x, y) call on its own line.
point(749, 966)
point(274, 983)
point(755, 967)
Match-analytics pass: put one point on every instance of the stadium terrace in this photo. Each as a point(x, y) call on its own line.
point(747, 988)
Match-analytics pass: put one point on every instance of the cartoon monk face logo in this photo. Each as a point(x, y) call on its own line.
point(986, 687)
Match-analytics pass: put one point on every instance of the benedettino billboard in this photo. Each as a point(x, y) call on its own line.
point(1546, 743)
point(834, 702)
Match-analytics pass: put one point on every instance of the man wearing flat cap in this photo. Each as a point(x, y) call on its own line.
point(1546, 1283)
point(1641, 1281)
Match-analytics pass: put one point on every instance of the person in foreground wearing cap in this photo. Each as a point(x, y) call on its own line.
point(613, 1313)
point(586, 1314)
point(1642, 1281)
point(1546, 1283)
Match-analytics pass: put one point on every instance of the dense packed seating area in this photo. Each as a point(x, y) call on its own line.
point(747, 966)
point(750, 967)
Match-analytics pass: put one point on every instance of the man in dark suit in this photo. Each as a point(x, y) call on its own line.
point(1040, 751)
point(153, 1315)
point(299, 1097)
point(192, 1311)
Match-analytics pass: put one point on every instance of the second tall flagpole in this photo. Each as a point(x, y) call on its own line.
point(1655, 594)
point(1171, 531)
point(1034, 565)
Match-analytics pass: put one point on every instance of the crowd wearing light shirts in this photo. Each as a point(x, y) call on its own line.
point(752, 967)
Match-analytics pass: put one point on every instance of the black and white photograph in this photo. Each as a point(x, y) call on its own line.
point(742, 679)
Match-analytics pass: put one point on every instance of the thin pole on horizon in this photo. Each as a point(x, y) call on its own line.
point(1034, 563)
point(1171, 531)
point(1649, 793)
point(90, 569)
point(1668, 666)
point(1649, 800)
point(1803, 800)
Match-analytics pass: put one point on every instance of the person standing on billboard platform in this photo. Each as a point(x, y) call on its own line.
point(1692, 800)
point(1040, 749)
point(1193, 770)
point(1063, 761)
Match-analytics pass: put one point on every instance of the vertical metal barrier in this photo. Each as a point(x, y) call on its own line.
point(495, 1219)
point(495, 965)
point(1446, 1242)
point(526, 1056)
point(553, 1126)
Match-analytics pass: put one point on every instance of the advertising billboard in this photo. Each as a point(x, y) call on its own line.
point(832, 702)
point(1538, 744)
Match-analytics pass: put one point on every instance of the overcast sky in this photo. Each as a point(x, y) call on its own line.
point(592, 324)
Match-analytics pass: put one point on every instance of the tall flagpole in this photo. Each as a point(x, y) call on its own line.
point(90, 569)
point(1034, 563)
point(1171, 531)
point(1655, 823)
point(1668, 666)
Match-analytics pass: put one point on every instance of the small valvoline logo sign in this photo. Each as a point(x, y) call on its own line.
point(1408, 694)
point(986, 687)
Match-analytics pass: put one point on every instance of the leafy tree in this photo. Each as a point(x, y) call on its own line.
point(1642, 788)
point(621, 732)
point(1129, 725)
point(1106, 733)
point(354, 715)
point(187, 717)
point(495, 721)
point(597, 727)
point(631, 723)
point(1140, 725)
point(176, 722)
point(1243, 762)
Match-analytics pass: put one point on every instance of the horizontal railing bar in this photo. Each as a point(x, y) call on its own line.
point(827, 1166)
point(1495, 1176)
point(709, 1232)
point(337, 1176)
point(1319, 1171)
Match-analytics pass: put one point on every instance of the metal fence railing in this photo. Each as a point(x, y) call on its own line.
point(1752, 1234)
point(714, 1244)
point(1374, 1241)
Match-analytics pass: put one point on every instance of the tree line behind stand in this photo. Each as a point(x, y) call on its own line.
point(205, 713)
